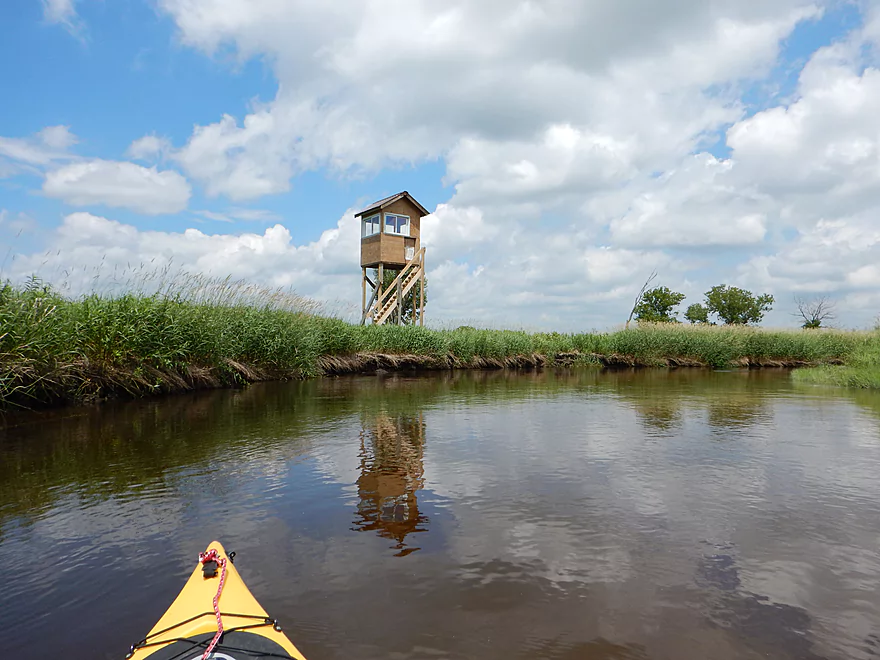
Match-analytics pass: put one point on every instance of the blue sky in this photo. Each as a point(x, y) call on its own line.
point(123, 75)
point(565, 150)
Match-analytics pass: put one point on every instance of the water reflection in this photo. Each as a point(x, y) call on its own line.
point(773, 629)
point(391, 471)
point(549, 520)
point(737, 413)
point(733, 401)
point(659, 418)
point(597, 649)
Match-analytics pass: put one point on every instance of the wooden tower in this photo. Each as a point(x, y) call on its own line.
point(391, 474)
point(390, 230)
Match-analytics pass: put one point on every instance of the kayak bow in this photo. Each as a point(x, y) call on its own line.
point(215, 596)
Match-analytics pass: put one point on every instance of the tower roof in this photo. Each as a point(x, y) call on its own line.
point(382, 203)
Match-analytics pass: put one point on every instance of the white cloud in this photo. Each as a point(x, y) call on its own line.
point(322, 268)
point(149, 148)
point(31, 153)
point(832, 256)
point(212, 215)
point(119, 184)
point(451, 232)
point(574, 110)
point(242, 163)
point(233, 214)
point(57, 137)
point(58, 11)
point(574, 135)
point(585, 278)
point(820, 155)
point(253, 215)
point(63, 12)
point(489, 81)
point(16, 224)
point(693, 205)
point(566, 161)
point(813, 166)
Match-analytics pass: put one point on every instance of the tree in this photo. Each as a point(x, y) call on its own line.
point(639, 297)
point(658, 304)
point(814, 312)
point(737, 306)
point(388, 277)
point(697, 313)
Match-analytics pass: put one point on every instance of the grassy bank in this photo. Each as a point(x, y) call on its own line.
point(861, 369)
point(210, 334)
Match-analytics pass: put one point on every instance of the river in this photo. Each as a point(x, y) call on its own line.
point(568, 514)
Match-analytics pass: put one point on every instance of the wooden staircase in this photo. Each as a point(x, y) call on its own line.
point(382, 306)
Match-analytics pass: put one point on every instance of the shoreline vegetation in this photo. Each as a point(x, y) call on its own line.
point(861, 369)
point(56, 350)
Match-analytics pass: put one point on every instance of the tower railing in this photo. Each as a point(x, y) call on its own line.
point(383, 304)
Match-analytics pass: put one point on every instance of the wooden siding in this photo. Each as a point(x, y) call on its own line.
point(388, 248)
point(406, 207)
point(384, 248)
point(370, 250)
point(392, 250)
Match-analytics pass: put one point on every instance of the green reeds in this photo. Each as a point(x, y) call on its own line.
point(178, 332)
point(862, 370)
point(210, 332)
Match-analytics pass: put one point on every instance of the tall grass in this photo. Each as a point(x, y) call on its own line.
point(210, 332)
point(188, 331)
point(862, 370)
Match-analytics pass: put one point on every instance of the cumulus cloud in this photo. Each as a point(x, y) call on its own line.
point(119, 184)
point(693, 205)
point(587, 281)
point(322, 269)
point(833, 257)
point(820, 155)
point(242, 163)
point(149, 148)
point(452, 231)
point(484, 80)
point(564, 162)
point(57, 137)
point(585, 143)
point(29, 154)
point(85, 182)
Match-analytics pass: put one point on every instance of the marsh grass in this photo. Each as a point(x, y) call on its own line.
point(862, 370)
point(188, 333)
point(177, 331)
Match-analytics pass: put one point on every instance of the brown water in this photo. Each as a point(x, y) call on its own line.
point(469, 515)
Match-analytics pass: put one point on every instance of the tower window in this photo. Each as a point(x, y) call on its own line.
point(397, 224)
point(370, 226)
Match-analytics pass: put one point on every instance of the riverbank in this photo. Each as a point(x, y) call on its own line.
point(861, 370)
point(54, 350)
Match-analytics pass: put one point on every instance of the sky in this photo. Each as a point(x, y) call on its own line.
point(565, 148)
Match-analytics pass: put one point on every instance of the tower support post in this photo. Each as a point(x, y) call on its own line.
point(363, 294)
point(421, 292)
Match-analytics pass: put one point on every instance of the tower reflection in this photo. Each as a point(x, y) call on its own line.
point(392, 469)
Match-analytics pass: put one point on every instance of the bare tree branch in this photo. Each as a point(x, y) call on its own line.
point(815, 312)
point(639, 297)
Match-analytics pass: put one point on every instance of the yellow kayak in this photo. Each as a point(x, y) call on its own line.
point(215, 597)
